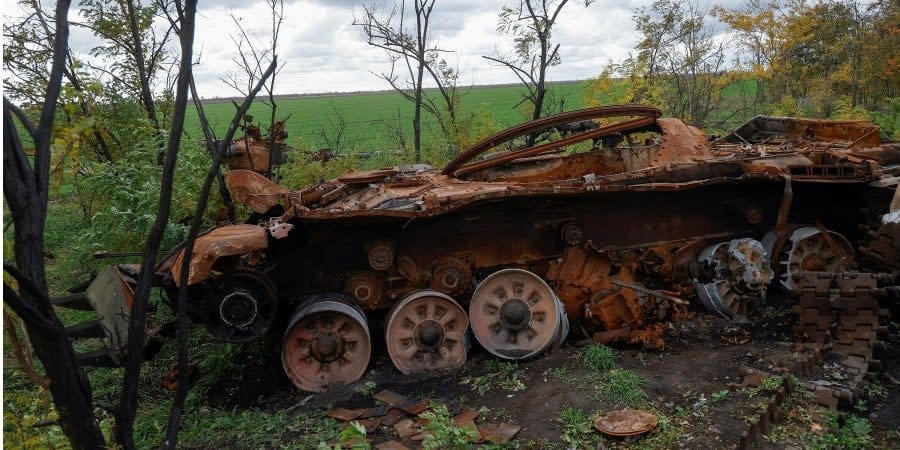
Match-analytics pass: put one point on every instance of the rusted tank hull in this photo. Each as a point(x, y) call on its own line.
point(619, 224)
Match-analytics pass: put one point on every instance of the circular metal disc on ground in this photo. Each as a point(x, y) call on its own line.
point(426, 331)
point(626, 422)
point(515, 314)
point(327, 343)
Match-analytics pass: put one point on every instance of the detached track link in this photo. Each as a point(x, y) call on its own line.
point(841, 310)
point(753, 437)
point(881, 251)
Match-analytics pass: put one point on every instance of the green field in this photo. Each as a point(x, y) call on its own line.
point(366, 114)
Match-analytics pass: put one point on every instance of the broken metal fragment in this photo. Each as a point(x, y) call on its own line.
point(500, 433)
point(625, 422)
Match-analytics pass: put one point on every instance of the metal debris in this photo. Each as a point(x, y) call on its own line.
point(625, 422)
point(500, 433)
point(391, 445)
point(615, 225)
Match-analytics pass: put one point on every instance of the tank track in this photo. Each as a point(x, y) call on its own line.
point(840, 311)
point(881, 251)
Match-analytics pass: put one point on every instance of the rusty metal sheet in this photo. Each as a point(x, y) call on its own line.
point(344, 414)
point(368, 176)
point(680, 143)
point(224, 241)
point(393, 416)
point(254, 190)
point(500, 433)
point(801, 132)
point(249, 154)
point(391, 445)
point(465, 418)
point(391, 398)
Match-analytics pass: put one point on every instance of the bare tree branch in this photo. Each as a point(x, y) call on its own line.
point(128, 400)
point(181, 309)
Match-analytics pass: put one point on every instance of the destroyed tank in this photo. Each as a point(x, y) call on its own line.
point(609, 220)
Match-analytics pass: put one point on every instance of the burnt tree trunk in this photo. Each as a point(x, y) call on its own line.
point(25, 189)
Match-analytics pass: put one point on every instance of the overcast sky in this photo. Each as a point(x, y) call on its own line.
point(321, 51)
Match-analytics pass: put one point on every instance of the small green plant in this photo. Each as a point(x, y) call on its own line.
point(366, 388)
point(665, 436)
point(560, 373)
point(442, 434)
point(874, 391)
point(773, 312)
point(599, 357)
point(578, 429)
point(622, 386)
point(769, 385)
point(718, 396)
point(353, 436)
point(852, 435)
point(505, 376)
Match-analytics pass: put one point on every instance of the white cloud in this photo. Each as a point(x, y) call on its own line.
point(321, 51)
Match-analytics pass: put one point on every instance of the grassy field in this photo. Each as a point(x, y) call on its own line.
point(366, 114)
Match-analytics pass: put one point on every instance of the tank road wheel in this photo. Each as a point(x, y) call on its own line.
point(426, 331)
point(240, 307)
point(733, 277)
point(326, 343)
point(516, 315)
point(807, 249)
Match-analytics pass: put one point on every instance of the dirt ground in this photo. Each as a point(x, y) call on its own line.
point(694, 386)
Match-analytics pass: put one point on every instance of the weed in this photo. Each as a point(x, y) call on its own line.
point(560, 373)
point(505, 376)
point(665, 436)
point(366, 388)
point(853, 434)
point(578, 429)
point(768, 386)
point(621, 386)
point(599, 357)
point(718, 396)
point(874, 391)
point(353, 436)
point(442, 433)
point(773, 312)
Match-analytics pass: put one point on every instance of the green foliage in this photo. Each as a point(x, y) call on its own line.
point(853, 434)
point(889, 119)
point(442, 434)
point(22, 409)
point(665, 436)
point(622, 386)
point(719, 395)
point(353, 436)
point(768, 386)
point(499, 375)
point(599, 357)
point(577, 429)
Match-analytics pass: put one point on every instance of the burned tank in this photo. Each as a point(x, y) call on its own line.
point(604, 222)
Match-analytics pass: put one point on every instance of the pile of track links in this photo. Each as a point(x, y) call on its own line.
point(839, 313)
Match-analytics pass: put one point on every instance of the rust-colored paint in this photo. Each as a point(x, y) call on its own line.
point(254, 190)
point(224, 241)
point(254, 151)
